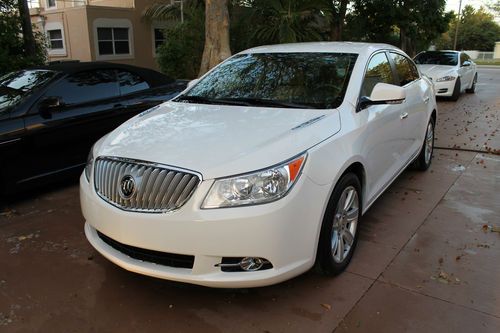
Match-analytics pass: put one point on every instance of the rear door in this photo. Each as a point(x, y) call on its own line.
point(61, 139)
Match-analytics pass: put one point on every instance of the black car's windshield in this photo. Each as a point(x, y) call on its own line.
point(17, 85)
point(290, 80)
point(437, 58)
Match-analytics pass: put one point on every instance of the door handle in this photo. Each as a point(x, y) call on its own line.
point(404, 115)
point(118, 105)
point(426, 99)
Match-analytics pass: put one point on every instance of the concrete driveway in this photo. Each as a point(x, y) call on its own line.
point(428, 259)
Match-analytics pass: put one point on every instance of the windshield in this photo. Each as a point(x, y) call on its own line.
point(437, 58)
point(293, 80)
point(15, 86)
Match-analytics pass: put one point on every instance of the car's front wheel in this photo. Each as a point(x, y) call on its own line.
point(424, 159)
point(339, 231)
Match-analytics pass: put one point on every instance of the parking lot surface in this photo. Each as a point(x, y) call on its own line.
point(427, 259)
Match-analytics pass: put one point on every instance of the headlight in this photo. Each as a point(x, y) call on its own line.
point(255, 188)
point(90, 162)
point(446, 78)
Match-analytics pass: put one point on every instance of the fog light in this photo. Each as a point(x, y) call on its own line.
point(251, 264)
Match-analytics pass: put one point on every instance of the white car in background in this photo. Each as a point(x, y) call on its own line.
point(451, 71)
point(262, 168)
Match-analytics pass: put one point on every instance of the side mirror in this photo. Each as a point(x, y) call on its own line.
point(48, 105)
point(466, 63)
point(192, 83)
point(383, 93)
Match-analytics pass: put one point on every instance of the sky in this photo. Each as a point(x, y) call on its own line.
point(453, 4)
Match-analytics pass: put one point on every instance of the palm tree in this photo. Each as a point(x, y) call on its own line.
point(177, 11)
point(286, 21)
point(216, 25)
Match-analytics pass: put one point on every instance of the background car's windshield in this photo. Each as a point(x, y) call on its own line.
point(437, 58)
point(17, 85)
point(311, 80)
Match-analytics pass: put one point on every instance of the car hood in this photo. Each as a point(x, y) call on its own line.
point(437, 71)
point(219, 140)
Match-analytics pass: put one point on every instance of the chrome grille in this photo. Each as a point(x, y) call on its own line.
point(155, 189)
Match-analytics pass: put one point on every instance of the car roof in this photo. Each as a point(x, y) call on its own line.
point(440, 51)
point(320, 47)
point(154, 78)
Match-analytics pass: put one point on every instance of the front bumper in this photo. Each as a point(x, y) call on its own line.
point(285, 232)
point(445, 88)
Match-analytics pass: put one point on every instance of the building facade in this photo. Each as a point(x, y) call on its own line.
point(99, 30)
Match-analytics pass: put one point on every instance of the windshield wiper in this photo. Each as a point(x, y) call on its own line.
point(195, 99)
point(250, 101)
point(244, 101)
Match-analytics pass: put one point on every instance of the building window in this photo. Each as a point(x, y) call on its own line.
point(51, 3)
point(56, 44)
point(55, 39)
point(113, 41)
point(159, 37)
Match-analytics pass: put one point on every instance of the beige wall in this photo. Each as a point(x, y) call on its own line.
point(496, 52)
point(113, 3)
point(79, 22)
point(142, 34)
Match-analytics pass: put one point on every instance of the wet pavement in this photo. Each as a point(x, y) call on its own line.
point(428, 258)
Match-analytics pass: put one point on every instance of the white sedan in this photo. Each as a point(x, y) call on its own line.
point(451, 71)
point(262, 168)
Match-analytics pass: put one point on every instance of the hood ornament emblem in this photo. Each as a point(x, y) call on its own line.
point(127, 187)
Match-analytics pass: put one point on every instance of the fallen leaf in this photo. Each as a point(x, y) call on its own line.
point(326, 306)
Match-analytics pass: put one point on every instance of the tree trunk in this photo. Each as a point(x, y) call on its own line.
point(216, 34)
point(28, 39)
point(337, 24)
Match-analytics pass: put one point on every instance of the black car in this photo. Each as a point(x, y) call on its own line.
point(50, 116)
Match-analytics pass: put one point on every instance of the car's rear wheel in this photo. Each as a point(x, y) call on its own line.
point(424, 159)
point(456, 90)
point(472, 88)
point(339, 231)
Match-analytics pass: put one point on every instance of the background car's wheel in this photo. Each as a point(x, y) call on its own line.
point(339, 231)
point(472, 88)
point(456, 90)
point(424, 159)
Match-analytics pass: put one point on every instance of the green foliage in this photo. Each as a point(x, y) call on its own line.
point(180, 55)
point(285, 21)
point(477, 31)
point(412, 23)
point(12, 53)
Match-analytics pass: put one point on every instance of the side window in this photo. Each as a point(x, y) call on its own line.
point(131, 82)
point(86, 86)
point(378, 71)
point(463, 57)
point(405, 69)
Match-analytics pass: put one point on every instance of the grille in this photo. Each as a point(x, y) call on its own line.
point(142, 186)
point(160, 258)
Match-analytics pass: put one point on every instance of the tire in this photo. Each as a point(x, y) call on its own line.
point(424, 159)
point(472, 89)
point(338, 222)
point(456, 91)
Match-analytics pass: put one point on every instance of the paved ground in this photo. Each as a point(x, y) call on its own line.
point(428, 258)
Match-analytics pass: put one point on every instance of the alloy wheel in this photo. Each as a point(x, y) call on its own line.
point(345, 223)
point(429, 142)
